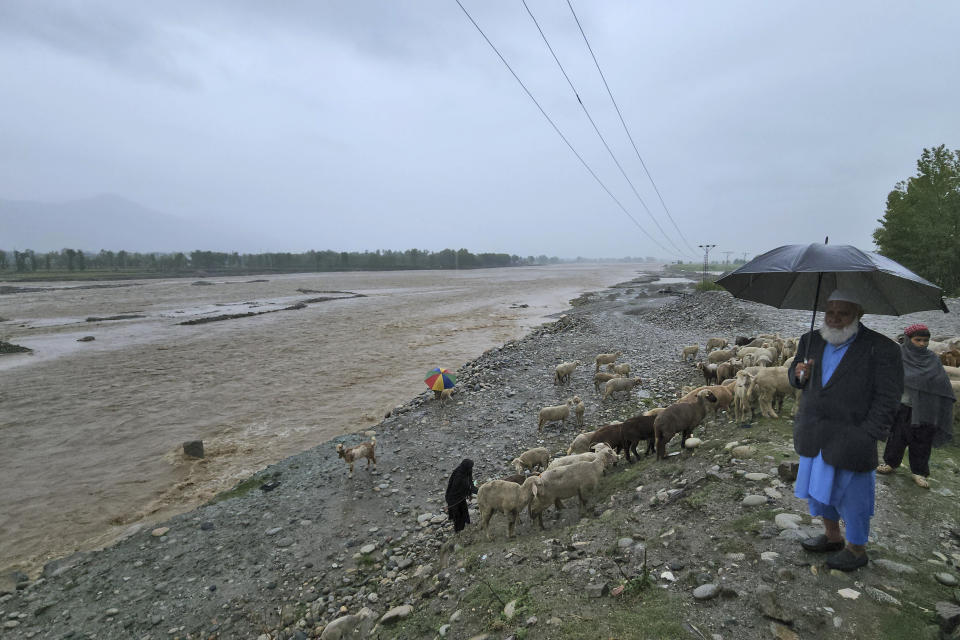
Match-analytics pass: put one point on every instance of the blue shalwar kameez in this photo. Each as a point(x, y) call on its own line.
point(834, 493)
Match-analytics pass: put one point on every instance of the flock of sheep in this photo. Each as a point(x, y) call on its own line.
point(745, 378)
point(578, 473)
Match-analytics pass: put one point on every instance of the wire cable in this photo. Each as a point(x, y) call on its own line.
point(586, 112)
point(557, 129)
point(625, 128)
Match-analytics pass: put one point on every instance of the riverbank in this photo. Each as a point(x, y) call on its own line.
point(693, 558)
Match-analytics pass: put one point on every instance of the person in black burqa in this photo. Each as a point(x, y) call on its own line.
point(459, 489)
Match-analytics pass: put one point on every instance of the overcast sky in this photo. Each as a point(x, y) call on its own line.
point(392, 124)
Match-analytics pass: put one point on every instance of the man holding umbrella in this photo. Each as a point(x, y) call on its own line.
point(852, 382)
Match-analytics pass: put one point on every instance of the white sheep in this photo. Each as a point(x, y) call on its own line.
point(579, 479)
point(770, 385)
point(508, 498)
point(606, 358)
point(722, 355)
point(580, 444)
point(578, 409)
point(563, 371)
point(622, 369)
point(552, 414)
point(601, 450)
point(689, 351)
point(601, 378)
point(715, 343)
point(531, 458)
point(619, 384)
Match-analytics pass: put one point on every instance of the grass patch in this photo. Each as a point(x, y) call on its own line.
point(751, 522)
point(244, 487)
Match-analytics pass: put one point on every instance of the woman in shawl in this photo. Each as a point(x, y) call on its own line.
point(925, 418)
point(459, 489)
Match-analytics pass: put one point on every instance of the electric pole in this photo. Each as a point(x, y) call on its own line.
point(706, 256)
point(726, 256)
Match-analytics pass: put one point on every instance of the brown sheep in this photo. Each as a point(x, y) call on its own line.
point(950, 358)
point(680, 417)
point(627, 435)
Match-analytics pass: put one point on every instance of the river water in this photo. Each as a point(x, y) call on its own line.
point(91, 432)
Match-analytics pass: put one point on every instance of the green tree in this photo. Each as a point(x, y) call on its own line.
point(921, 226)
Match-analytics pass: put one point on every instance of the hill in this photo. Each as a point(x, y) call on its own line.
point(110, 222)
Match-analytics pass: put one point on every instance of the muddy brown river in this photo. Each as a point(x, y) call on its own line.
point(91, 432)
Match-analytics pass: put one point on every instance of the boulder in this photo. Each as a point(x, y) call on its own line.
point(193, 448)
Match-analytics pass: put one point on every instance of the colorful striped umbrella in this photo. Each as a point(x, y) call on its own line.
point(439, 379)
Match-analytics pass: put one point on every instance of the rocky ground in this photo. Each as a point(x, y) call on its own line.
point(703, 545)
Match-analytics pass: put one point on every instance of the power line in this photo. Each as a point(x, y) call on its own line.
point(625, 128)
point(586, 112)
point(556, 128)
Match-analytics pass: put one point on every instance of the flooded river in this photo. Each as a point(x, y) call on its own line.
point(92, 431)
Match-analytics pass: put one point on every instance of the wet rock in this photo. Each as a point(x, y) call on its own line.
point(395, 614)
point(706, 591)
point(948, 616)
point(892, 567)
point(946, 579)
point(193, 448)
point(881, 596)
point(769, 605)
point(787, 521)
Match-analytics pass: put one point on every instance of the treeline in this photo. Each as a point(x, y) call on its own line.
point(920, 228)
point(215, 261)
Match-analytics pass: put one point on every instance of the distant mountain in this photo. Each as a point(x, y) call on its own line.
point(113, 223)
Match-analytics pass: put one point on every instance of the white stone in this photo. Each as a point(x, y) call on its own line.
point(787, 521)
point(692, 443)
point(849, 594)
point(769, 556)
point(510, 610)
point(756, 477)
point(368, 548)
point(159, 531)
point(754, 501)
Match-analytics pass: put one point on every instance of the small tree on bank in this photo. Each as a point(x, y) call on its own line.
point(921, 226)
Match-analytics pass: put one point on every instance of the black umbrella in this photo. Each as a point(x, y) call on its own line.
point(800, 276)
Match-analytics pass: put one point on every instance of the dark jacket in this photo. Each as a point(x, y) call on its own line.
point(856, 408)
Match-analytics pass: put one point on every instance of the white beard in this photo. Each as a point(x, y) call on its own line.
point(838, 336)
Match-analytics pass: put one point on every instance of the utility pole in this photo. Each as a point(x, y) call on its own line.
point(744, 256)
point(726, 256)
point(706, 256)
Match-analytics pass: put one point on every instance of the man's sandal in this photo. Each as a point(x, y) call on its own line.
point(885, 469)
point(820, 544)
point(921, 481)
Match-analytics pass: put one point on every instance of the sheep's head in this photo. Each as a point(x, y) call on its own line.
point(576, 400)
point(707, 396)
point(340, 449)
point(535, 483)
point(517, 465)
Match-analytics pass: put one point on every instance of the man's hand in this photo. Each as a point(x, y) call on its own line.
point(803, 369)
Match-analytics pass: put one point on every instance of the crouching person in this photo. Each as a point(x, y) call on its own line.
point(852, 383)
point(460, 487)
